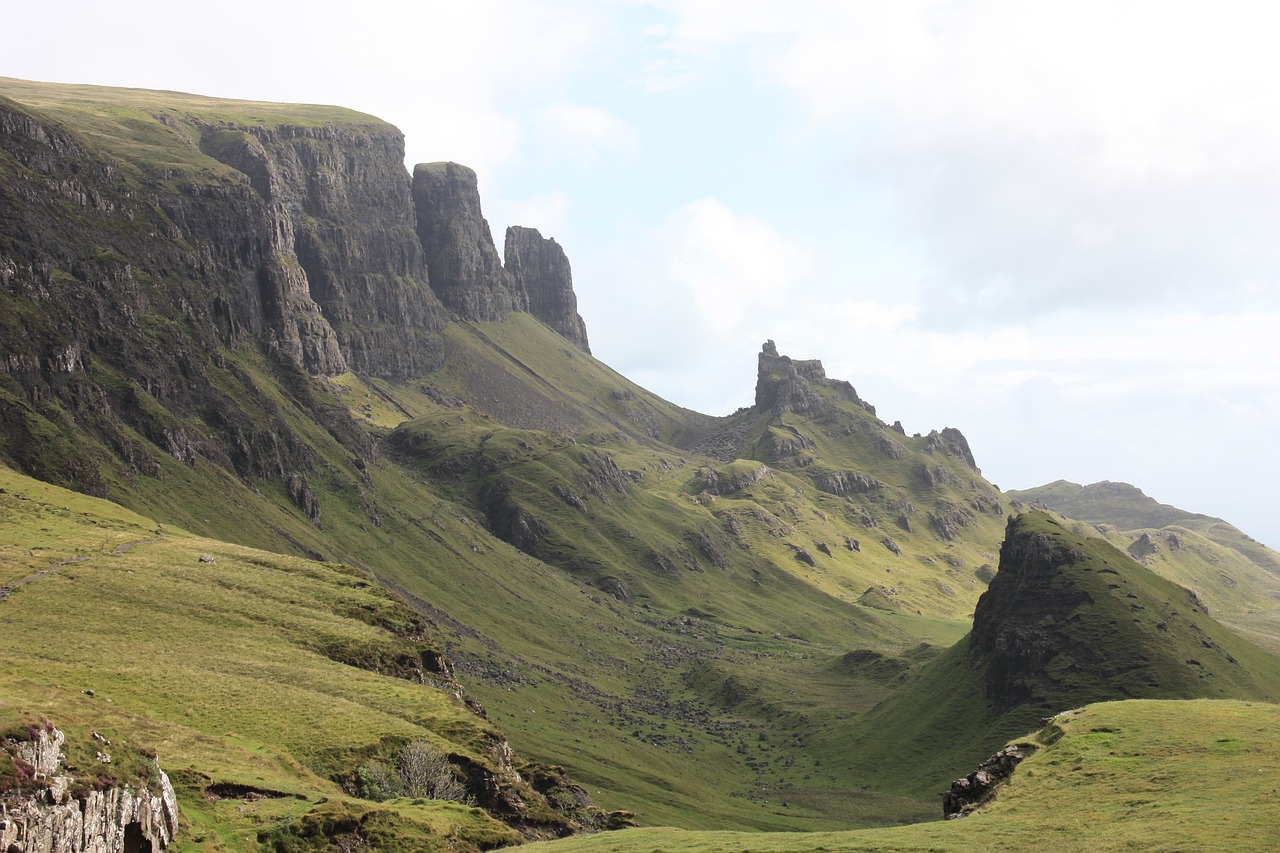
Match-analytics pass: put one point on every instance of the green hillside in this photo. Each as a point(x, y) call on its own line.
point(1236, 576)
point(1133, 775)
point(216, 318)
point(1067, 621)
point(263, 683)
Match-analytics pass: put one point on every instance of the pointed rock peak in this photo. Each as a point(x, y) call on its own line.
point(463, 266)
point(786, 384)
point(953, 443)
point(541, 276)
point(1069, 620)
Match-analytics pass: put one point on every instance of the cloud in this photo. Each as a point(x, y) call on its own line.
point(1041, 155)
point(581, 133)
point(675, 304)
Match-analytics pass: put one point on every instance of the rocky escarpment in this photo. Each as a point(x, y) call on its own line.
point(785, 384)
point(151, 273)
point(539, 270)
point(342, 244)
point(52, 810)
point(976, 789)
point(466, 272)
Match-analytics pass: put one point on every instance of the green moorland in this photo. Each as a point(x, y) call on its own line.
point(261, 681)
point(688, 613)
point(1132, 775)
point(1094, 627)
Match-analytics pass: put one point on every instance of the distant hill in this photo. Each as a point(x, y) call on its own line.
point(1067, 621)
point(1237, 576)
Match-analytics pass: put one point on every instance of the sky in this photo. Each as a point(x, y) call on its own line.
point(1054, 226)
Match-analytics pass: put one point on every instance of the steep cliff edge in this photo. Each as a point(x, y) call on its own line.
point(466, 272)
point(45, 806)
point(341, 222)
point(539, 269)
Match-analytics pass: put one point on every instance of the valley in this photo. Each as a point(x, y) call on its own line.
point(241, 331)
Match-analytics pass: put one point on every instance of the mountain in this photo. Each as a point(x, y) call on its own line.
point(1236, 576)
point(261, 339)
point(1069, 620)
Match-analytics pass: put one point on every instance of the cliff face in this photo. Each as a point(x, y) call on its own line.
point(346, 280)
point(539, 270)
point(140, 263)
point(56, 812)
point(788, 385)
point(466, 272)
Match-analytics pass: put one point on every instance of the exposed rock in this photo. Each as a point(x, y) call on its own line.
point(949, 520)
point(951, 442)
point(979, 787)
point(1143, 546)
point(57, 813)
point(540, 271)
point(462, 262)
point(891, 545)
point(846, 483)
point(724, 483)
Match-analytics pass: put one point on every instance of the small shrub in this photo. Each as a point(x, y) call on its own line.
point(426, 772)
point(377, 781)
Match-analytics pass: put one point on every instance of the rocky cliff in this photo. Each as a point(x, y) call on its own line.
point(53, 810)
point(466, 272)
point(143, 267)
point(540, 271)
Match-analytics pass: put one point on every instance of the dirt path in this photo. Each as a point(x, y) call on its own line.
point(53, 567)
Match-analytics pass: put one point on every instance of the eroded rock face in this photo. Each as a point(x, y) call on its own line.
point(974, 790)
point(1014, 620)
point(55, 814)
point(462, 262)
point(540, 271)
point(347, 274)
point(786, 384)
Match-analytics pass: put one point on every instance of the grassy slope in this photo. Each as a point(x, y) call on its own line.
point(1237, 576)
point(1129, 633)
point(1140, 774)
point(228, 670)
point(148, 129)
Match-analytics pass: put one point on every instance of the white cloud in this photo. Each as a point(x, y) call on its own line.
point(676, 306)
point(1042, 155)
point(581, 133)
point(547, 212)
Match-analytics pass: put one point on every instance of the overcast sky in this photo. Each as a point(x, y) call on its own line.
point(1053, 225)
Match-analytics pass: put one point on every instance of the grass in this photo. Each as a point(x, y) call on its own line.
point(1133, 775)
point(225, 669)
point(680, 649)
point(158, 132)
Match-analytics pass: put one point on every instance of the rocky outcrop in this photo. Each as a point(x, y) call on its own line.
point(466, 273)
point(57, 812)
point(343, 238)
point(1015, 619)
point(979, 787)
point(540, 271)
point(784, 384)
point(846, 483)
point(952, 443)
